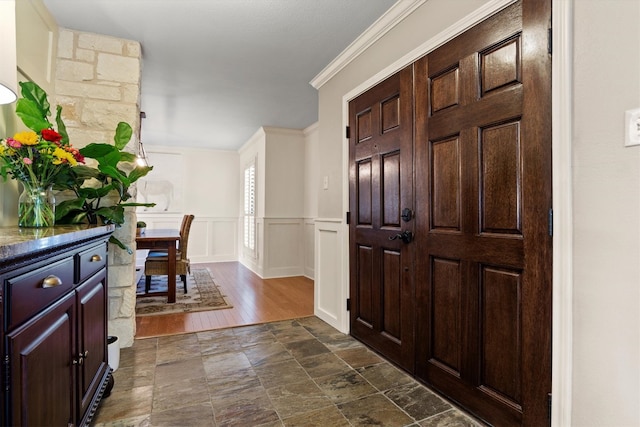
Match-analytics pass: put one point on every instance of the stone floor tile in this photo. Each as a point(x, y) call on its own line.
point(177, 347)
point(293, 333)
point(179, 370)
point(125, 404)
point(297, 398)
point(216, 342)
point(277, 374)
point(450, 418)
point(142, 353)
point(224, 364)
point(345, 387)
point(139, 421)
point(264, 353)
point(359, 357)
point(417, 400)
point(374, 410)
point(325, 417)
point(134, 376)
point(250, 408)
point(234, 383)
point(306, 348)
point(180, 393)
point(200, 415)
point(384, 376)
point(324, 364)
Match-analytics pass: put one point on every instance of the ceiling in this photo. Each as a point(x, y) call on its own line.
point(214, 71)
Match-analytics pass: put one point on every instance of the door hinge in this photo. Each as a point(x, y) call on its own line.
point(7, 373)
point(551, 222)
point(348, 217)
point(550, 41)
point(347, 132)
point(549, 413)
point(348, 304)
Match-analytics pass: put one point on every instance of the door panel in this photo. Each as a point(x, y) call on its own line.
point(381, 186)
point(483, 297)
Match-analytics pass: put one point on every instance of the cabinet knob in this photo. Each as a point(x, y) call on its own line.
point(51, 281)
point(96, 258)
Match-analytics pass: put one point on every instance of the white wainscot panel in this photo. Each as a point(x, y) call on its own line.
point(309, 248)
point(283, 241)
point(330, 291)
point(211, 239)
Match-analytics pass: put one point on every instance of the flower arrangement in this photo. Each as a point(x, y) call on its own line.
point(44, 156)
point(36, 158)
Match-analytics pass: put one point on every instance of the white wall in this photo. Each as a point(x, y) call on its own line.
point(279, 155)
point(606, 221)
point(211, 192)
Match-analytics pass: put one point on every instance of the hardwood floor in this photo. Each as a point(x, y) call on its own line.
point(254, 300)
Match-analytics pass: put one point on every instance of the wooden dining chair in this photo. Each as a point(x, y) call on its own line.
point(184, 227)
point(158, 264)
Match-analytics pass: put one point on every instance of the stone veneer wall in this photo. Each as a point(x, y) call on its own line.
point(98, 85)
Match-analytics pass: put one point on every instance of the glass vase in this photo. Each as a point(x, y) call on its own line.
point(36, 206)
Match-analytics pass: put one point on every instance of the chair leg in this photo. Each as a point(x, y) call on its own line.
point(147, 284)
point(184, 282)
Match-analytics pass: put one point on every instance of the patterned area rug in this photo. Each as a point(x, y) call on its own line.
point(202, 294)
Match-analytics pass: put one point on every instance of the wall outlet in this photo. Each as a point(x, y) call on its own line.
point(632, 127)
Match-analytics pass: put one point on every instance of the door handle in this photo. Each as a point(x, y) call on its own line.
point(406, 236)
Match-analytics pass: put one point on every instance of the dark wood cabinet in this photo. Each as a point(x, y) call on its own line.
point(54, 326)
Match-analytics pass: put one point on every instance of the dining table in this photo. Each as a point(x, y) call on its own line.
point(165, 240)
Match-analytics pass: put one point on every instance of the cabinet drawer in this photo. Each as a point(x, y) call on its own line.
point(29, 293)
point(90, 261)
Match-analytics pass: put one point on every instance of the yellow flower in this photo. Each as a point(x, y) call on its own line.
point(27, 137)
point(60, 156)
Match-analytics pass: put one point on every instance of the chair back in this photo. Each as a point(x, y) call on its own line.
point(184, 235)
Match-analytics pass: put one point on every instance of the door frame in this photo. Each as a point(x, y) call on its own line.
point(562, 95)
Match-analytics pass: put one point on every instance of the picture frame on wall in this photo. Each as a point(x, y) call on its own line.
point(163, 185)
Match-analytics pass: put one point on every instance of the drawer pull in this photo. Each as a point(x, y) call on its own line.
point(51, 281)
point(96, 258)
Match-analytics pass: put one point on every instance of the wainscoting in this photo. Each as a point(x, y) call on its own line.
point(212, 239)
point(331, 262)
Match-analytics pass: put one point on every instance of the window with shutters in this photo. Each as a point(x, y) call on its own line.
point(250, 208)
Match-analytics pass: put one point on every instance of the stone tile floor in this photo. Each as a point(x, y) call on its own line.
point(292, 373)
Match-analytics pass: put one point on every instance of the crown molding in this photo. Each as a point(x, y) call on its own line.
point(379, 28)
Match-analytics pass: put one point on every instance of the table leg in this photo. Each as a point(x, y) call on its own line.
point(171, 280)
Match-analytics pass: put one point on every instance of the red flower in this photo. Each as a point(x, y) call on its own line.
point(51, 135)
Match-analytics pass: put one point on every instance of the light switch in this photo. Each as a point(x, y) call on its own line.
point(632, 127)
point(325, 182)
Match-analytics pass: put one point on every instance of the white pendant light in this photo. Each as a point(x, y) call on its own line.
point(7, 96)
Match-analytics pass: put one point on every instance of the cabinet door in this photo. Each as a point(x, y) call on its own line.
point(92, 337)
point(42, 370)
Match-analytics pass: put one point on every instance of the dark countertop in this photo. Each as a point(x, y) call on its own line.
point(16, 241)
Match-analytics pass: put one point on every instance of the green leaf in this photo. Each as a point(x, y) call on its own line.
point(123, 135)
point(128, 205)
point(98, 150)
point(111, 214)
point(62, 129)
point(115, 174)
point(95, 193)
point(69, 206)
point(119, 244)
point(85, 172)
point(38, 96)
point(127, 157)
point(139, 172)
point(31, 115)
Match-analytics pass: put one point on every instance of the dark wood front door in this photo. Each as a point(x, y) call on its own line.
point(483, 196)
point(381, 187)
point(466, 305)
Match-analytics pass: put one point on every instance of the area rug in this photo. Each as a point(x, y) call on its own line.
point(202, 294)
